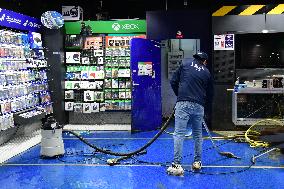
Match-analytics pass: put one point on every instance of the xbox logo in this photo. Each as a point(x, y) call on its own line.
point(115, 26)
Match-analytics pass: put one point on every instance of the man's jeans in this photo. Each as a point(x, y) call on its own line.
point(188, 114)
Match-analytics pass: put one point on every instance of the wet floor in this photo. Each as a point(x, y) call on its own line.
point(83, 167)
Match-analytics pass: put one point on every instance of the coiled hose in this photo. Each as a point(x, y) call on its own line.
point(166, 124)
point(250, 132)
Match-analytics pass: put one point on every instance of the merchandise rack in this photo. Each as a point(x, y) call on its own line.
point(24, 94)
point(106, 102)
point(111, 111)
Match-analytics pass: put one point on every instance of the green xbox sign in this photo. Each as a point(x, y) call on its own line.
point(116, 26)
point(124, 26)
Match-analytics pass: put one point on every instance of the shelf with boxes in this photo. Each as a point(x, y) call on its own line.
point(97, 73)
point(23, 77)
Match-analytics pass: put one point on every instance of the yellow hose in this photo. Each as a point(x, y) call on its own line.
point(255, 143)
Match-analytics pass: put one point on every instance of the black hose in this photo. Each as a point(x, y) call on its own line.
point(125, 154)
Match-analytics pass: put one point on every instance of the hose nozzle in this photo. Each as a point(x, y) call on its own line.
point(112, 162)
point(229, 155)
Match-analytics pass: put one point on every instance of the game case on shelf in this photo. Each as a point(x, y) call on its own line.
point(95, 107)
point(73, 57)
point(87, 108)
point(69, 106)
point(78, 107)
point(102, 107)
point(89, 96)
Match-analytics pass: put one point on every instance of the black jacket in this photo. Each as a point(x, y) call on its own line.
point(193, 82)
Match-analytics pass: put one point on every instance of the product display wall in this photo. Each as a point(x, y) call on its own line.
point(97, 73)
point(23, 84)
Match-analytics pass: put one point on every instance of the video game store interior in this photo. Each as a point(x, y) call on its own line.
point(139, 94)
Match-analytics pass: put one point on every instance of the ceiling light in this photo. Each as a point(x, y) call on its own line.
point(264, 31)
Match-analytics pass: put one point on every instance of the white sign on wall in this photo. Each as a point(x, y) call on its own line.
point(72, 13)
point(224, 42)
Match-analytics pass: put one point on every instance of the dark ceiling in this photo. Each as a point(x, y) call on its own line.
point(118, 8)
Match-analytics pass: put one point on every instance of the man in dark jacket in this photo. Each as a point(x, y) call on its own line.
point(193, 86)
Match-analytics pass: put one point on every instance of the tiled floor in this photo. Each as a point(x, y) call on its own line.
point(18, 145)
point(82, 167)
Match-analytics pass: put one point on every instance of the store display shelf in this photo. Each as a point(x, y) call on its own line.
point(117, 88)
point(44, 67)
point(85, 89)
point(45, 104)
point(73, 48)
point(37, 81)
point(13, 70)
point(15, 97)
point(117, 66)
point(12, 44)
point(8, 128)
point(79, 101)
point(18, 119)
point(118, 77)
point(82, 79)
point(80, 64)
point(121, 56)
point(261, 90)
point(12, 59)
point(19, 111)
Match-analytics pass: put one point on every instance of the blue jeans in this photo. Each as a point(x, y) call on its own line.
point(188, 114)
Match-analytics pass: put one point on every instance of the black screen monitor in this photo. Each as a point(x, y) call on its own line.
point(259, 50)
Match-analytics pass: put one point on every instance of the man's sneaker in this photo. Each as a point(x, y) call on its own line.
point(175, 169)
point(196, 166)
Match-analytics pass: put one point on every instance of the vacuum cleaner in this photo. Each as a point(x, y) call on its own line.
point(52, 144)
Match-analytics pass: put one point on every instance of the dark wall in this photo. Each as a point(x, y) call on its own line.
point(237, 24)
point(194, 24)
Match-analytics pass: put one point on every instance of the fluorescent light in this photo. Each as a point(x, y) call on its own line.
point(264, 31)
point(258, 45)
